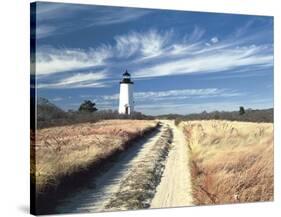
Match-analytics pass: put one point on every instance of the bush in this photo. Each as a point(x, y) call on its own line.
point(87, 106)
point(177, 121)
point(241, 110)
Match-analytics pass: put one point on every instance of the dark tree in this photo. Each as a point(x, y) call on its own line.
point(87, 106)
point(241, 110)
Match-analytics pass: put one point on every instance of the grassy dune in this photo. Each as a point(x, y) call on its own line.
point(61, 151)
point(231, 161)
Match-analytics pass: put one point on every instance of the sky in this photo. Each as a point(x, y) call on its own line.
point(181, 62)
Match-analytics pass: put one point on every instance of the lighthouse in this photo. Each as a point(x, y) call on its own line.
point(126, 102)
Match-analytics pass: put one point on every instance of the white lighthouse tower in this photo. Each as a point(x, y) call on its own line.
point(126, 101)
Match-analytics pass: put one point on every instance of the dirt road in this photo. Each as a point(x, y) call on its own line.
point(173, 190)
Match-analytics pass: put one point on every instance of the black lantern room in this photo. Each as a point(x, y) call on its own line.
point(126, 78)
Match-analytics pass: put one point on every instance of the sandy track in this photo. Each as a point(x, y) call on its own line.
point(96, 195)
point(174, 189)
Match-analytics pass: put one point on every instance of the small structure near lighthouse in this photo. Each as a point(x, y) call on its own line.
point(126, 101)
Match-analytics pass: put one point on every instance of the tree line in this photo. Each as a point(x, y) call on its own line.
point(242, 114)
point(50, 115)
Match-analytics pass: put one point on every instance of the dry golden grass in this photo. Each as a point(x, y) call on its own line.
point(60, 151)
point(231, 161)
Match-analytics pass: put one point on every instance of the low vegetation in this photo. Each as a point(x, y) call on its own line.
point(62, 151)
point(231, 161)
point(50, 115)
point(248, 115)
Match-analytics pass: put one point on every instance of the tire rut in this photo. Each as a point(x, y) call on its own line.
point(100, 191)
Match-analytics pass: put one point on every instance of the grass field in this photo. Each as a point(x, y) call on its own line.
point(231, 161)
point(61, 151)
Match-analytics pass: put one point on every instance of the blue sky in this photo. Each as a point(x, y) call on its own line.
point(181, 62)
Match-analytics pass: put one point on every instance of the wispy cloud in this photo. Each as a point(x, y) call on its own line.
point(214, 40)
point(159, 53)
point(197, 34)
point(184, 94)
point(108, 16)
point(78, 80)
point(215, 60)
point(43, 31)
point(244, 28)
point(48, 11)
point(89, 16)
point(187, 108)
point(52, 60)
point(147, 44)
point(177, 94)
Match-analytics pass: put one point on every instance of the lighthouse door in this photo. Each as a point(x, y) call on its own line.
point(126, 109)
